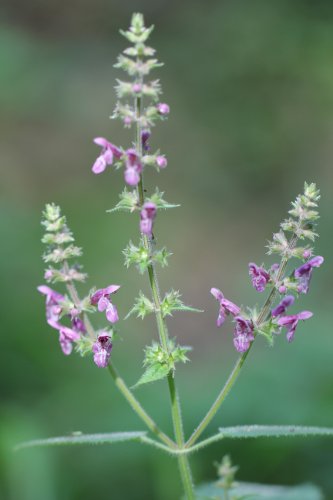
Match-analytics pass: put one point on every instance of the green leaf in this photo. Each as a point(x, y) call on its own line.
point(255, 431)
point(172, 302)
point(157, 198)
point(161, 256)
point(78, 438)
point(129, 201)
point(253, 491)
point(142, 307)
point(154, 372)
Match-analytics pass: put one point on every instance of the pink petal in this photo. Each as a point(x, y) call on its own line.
point(100, 165)
point(103, 303)
point(112, 313)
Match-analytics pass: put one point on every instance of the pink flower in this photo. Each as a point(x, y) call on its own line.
point(290, 322)
point(304, 273)
point(109, 150)
point(133, 168)
point(226, 306)
point(259, 277)
point(243, 334)
point(102, 350)
point(147, 216)
point(53, 300)
point(101, 298)
point(281, 308)
point(53, 311)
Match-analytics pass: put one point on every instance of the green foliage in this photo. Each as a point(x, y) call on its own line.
point(129, 201)
point(154, 372)
point(142, 307)
point(161, 256)
point(301, 223)
point(83, 346)
point(157, 198)
point(142, 258)
point(172, 302)
point(249, 491)
point(137, 255)
point(256, 431)
point(79, 438)
point(159, 362)
point(226, 473)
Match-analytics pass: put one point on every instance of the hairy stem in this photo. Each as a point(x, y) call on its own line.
point(136, 406)
point(265, 311)
point(184, 466)
point(183, 463)
point(126, 392)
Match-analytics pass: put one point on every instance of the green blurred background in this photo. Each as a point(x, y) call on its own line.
point(250, 86)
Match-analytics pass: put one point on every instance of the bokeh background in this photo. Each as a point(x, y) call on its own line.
point(250, 86)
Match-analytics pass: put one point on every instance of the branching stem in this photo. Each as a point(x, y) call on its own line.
point(239, 363)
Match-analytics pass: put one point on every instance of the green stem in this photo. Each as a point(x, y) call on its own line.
point(183, 463)
point(136, 406)
point(265, 311)
point(184, 466)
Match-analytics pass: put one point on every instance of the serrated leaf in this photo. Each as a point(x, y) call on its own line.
point(154, 372)
point(254, 491)
point(183, 307)
point(256, 431)
point(157, 198)
point(142, 307)
point(129, 201)
point(114, 437)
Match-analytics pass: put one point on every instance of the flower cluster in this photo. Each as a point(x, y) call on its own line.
point(270, 322)
point(66, 313)
point(138, 105)
point(54, 310)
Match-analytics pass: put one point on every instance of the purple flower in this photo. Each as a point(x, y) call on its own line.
point(161, 161)
point(78, 325)
point(102, 298)
point(109, 150)
point(53, 310)
point(303, 273)
point(66, 338)
point(102, 350)
point(226, 306)
point(53, 300)
point(290, 322)
point(133, 167)
point(243, 334)
point(163, 109)
point(147, 216)
point(259, 277)
point(281, 308)
point(145, 134)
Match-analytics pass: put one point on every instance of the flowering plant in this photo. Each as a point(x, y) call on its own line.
point(139, 107)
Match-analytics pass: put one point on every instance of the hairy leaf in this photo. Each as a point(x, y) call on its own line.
point(253, 491)
point(255, 431)
point(78, 438)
